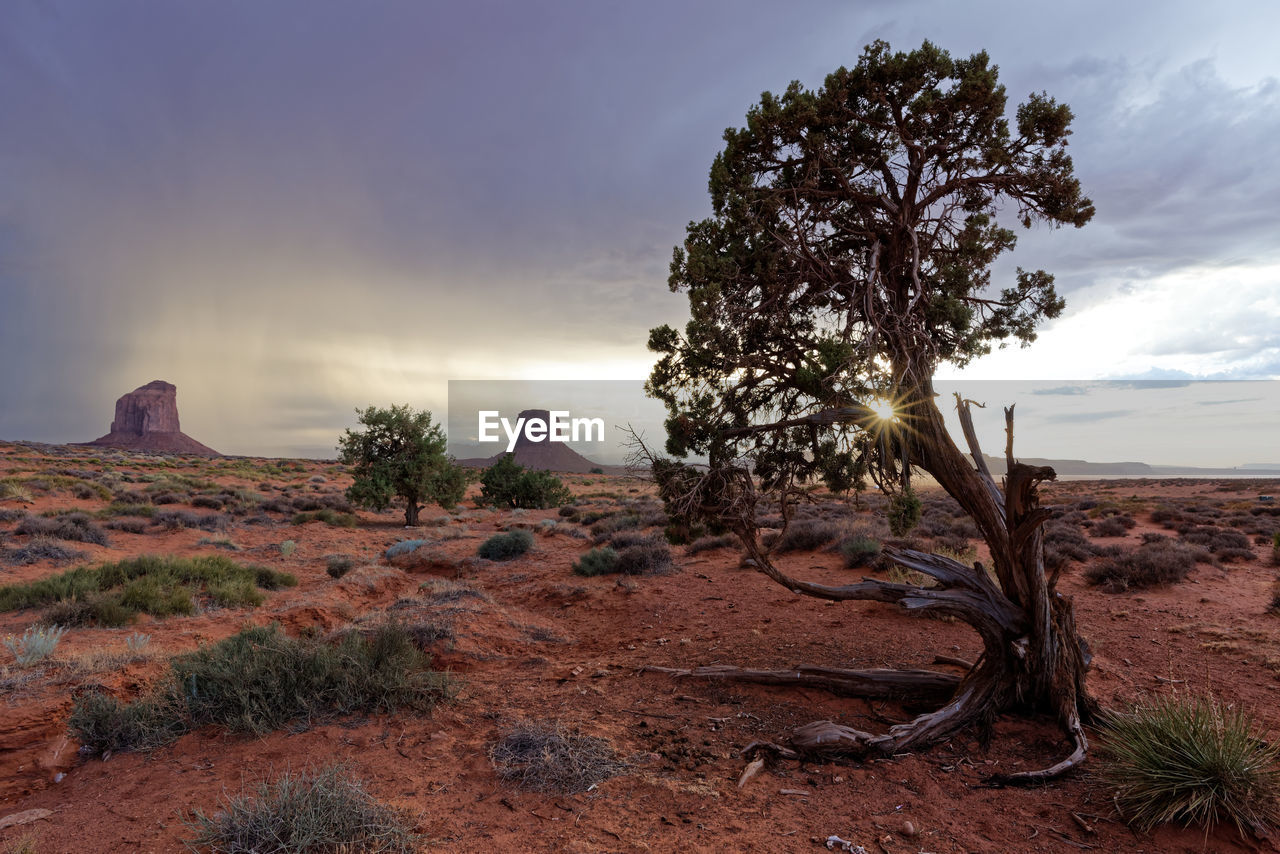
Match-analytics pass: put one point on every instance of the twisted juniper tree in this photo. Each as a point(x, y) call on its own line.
point(847, 257)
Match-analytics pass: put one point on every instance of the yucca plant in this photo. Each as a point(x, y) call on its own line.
point(1191, 760)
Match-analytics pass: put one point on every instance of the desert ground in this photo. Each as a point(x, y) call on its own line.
point(528, 641)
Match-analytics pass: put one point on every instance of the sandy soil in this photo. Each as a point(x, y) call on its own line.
point(552, 646)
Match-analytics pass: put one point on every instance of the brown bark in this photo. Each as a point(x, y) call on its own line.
point(1033, 657)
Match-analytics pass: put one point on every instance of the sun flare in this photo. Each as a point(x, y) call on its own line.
point(884, 409)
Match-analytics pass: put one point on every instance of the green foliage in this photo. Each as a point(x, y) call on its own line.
point(859, 551)
point(114, 594)
point(848, 255)
point(329, 517)
point(506, 546)
point(36, 644)
point(1191, 760)
point(506, 483)
point(904, 512)
point(338, 565)
point(601, 561)
point(317, 811)
point(400, 453)
point(262, 679)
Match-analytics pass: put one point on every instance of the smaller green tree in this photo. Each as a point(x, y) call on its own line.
point(507, 483)
point(400, 453)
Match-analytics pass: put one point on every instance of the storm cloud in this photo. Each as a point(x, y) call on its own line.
point(294, 209)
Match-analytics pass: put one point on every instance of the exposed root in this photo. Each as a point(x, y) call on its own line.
point(911, 686)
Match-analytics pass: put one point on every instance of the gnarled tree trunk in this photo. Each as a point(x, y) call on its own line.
point(1033, 656)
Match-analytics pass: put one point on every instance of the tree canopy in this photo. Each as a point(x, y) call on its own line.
point(401, 453)
point(850, 248)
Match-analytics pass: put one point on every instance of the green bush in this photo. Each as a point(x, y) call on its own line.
point(262, 679)
point(338, 565)
point(1191, 760)
point(318, 811)
point(114, 593)
point(859, 551)
point(904, 512)
point(600, 561)
point(506, 483)
point(329, 517)
point(506, 546)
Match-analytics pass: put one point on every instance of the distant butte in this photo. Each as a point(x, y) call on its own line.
point(147, 420)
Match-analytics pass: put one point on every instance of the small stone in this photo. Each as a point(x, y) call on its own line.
point(908, 828)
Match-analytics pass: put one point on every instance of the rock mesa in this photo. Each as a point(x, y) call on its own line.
point(147, 420)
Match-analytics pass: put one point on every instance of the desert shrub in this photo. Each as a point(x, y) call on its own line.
point(278, 505)
point(306, 503)
point(601, 561)
point(174, 520)
point(329, 517)
point(806, 535)
point(1063, 543)
point(506, 483)
point(337, 503)
point(1191, 760)
point(338, 565)
point(1112, 526)
point(11, 514)
point(568, 511)
point(1152, 564)
point(647, 557)
point(129, 525)
point(128, 508)
point(316, 811)
point(596, 470)
point(709, 543)
point(542, 757)
point(76, 527)
point(160, 498)
point(38, 549)
point(260, 680)
point(439, 591)
point(404, 547)
point(208, 502)
point(605, 528)
point(114, 593)
point(904, 512)
point(36, 644)
point(506, 546)
point(859, 551)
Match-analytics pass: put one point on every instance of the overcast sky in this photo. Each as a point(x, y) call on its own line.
point(291, 209)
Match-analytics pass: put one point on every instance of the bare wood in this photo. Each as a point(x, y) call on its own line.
point(885, 684)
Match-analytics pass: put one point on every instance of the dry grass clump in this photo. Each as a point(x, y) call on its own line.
point(1192, 760)
point(1155, 563)
point(321, 811)
point(76, 527)
point(38, 549)
point(543, 757)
